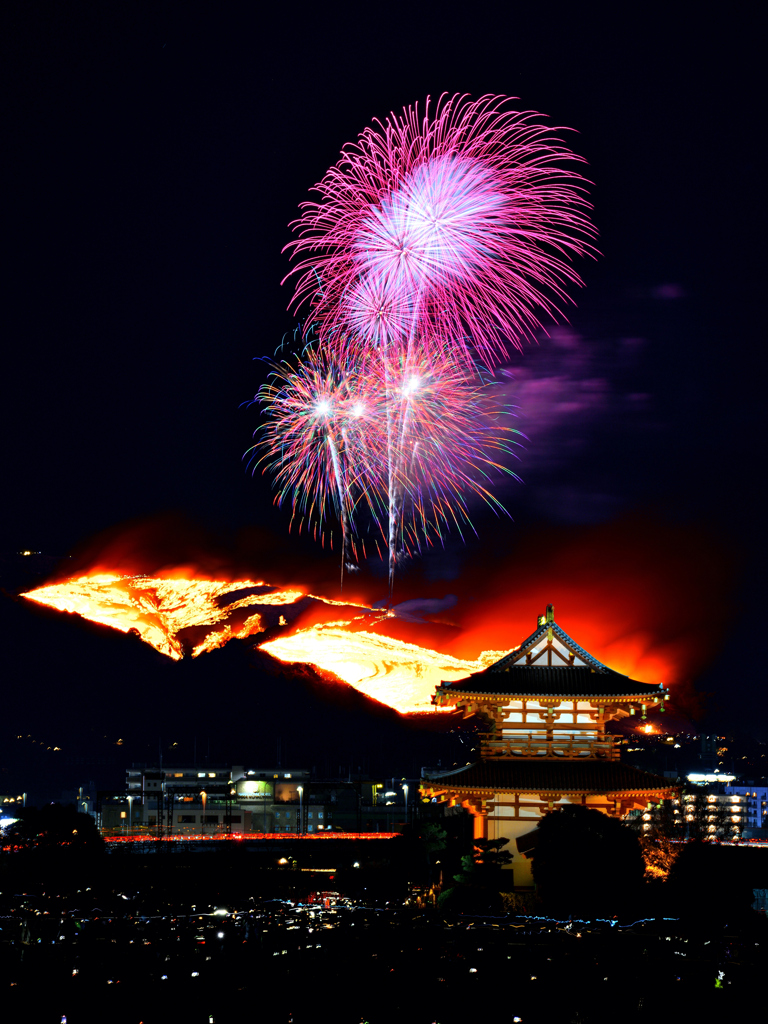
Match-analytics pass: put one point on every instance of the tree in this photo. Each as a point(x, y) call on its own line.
point(660, 830)
point(586, 863)
point(54, 828)
point(706, 882)
point(478, 883)
point(434, 840)
point(490, 858)
point(434, 837)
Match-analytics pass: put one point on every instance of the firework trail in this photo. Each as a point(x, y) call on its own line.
point(315, 441)
point(448, 436)
point(343, 439)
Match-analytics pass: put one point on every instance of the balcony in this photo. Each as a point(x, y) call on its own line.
point(537, 746)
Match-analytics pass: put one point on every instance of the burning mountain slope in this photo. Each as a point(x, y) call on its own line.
point(178, 616)
point(105, 698)
point(389, 670)
point(172, 615)
point(648, 599)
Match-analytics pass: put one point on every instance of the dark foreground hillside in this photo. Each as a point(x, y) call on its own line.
point(106, 699)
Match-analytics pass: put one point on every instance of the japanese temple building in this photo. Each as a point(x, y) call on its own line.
point(545, 706)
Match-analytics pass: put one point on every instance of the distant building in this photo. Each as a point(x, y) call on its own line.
point(9, 802)
point(753, 797)
point(712, 809)
point(546, 706)
point(187, 800)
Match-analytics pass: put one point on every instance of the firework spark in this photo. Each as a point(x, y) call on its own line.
point(400, 446)
point(321, 441)
point(458, 225)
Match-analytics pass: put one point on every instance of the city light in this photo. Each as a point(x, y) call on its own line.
point(709, 777)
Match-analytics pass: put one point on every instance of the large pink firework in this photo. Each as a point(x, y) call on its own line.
point(456, 227)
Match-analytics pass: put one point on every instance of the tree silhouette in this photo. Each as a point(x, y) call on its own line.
point(586, 863)
point(53, 828)
point(659, 829)
point(479, 881)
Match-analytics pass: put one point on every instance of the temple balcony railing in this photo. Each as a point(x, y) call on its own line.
point(532, 746)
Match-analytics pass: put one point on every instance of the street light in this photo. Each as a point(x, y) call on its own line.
point(130, 814)
point(301, 808)
point(405, 791)
point(204, 795)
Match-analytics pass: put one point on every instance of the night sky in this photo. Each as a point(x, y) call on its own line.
point(154, 156)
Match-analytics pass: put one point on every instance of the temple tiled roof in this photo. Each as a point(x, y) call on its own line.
point(551, 775)
point(553, 681)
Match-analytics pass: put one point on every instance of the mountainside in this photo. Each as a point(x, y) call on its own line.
point(106, 699)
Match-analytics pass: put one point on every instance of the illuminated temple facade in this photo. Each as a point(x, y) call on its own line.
point(545, 707)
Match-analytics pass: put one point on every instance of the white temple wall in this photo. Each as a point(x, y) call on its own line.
point(499, 828)
point(561, 655)
point(535, 712)
point(500, 825)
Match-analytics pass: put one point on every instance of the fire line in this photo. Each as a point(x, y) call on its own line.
point(178, 616)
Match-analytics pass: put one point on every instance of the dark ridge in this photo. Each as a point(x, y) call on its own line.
point(107, 699)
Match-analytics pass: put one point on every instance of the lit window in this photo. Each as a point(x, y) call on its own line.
point(309, 814)
point(123, 814)
point(201, 775)
point(319, 814)
point(211, 775)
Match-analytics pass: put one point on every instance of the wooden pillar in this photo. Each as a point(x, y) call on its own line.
point(480, 821)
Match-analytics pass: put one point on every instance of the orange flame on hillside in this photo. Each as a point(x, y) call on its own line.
point(648, 599)
point(161, 610)
point(179, 615)
point(389, 670)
